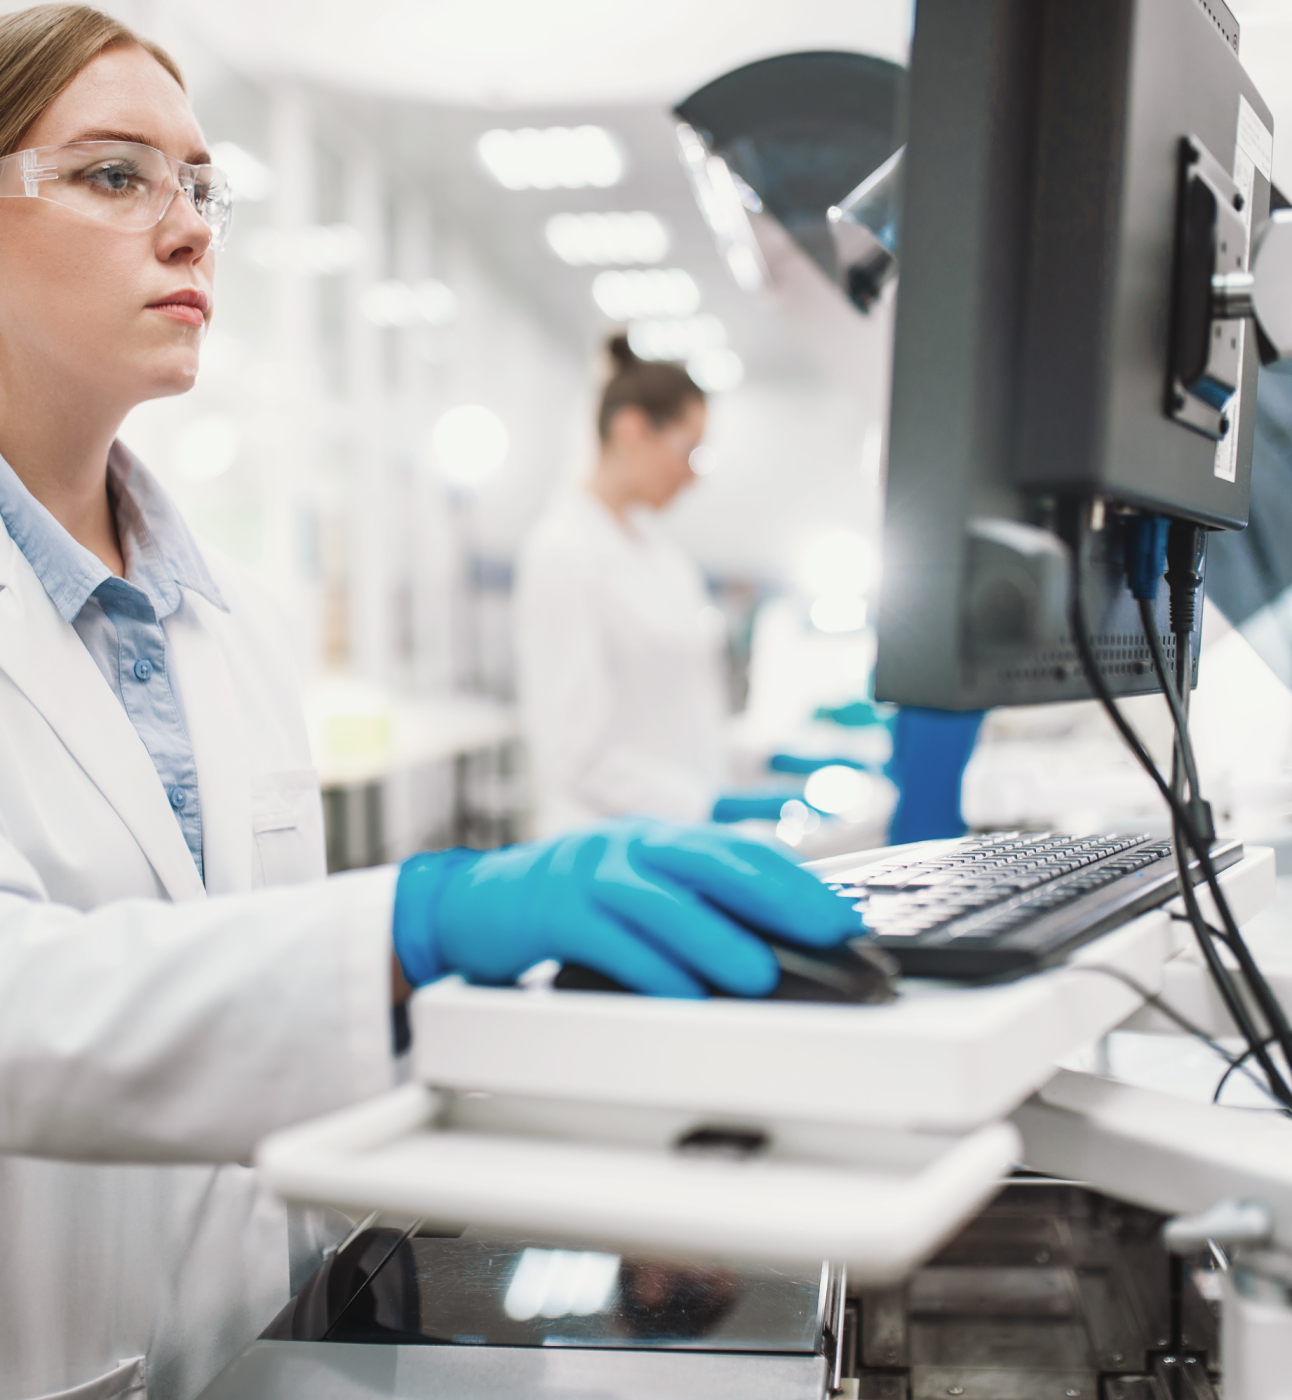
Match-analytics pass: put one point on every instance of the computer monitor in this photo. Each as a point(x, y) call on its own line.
point(1071, 166)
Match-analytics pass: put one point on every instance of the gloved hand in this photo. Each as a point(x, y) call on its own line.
point(860, 714)
point(759, 804)
point(800, 763)
point(663, 909)
point(931, 749)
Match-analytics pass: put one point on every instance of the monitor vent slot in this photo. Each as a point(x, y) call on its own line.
point(1222, 17)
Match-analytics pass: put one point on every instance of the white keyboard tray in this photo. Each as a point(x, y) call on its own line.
point(877, 1202)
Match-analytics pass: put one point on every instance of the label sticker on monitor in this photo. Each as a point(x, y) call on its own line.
point(1255, 138)
point(1253, 151)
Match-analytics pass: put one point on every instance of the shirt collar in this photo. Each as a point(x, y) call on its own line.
point(161, 555)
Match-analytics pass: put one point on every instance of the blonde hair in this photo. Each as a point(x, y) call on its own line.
point(44, 48)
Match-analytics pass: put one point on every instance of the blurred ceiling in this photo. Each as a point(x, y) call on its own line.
point(506, 228)
point(536, 53)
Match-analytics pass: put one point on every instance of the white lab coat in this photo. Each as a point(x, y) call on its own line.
point(145, 1019)
point(620, 666)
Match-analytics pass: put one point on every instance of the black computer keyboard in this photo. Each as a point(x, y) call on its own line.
point(1008, 903)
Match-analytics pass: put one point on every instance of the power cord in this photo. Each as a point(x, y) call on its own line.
point(1191, 824)
point(1201, 812)
point(1240, 1065)
point(1235, 1063)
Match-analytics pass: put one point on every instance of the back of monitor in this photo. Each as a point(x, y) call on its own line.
point(1034, 334)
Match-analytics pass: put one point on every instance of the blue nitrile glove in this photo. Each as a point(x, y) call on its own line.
point(799, 763)
point(931, 749)
point(660, 908)
point(758, 804)
point(859, 714)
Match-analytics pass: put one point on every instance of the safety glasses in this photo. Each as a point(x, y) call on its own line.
point(120, 183)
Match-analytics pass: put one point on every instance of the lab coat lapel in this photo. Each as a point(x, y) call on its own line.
point(215, 730)
point(48, 662)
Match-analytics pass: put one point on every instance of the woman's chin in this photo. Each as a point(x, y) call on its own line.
point(176, 377)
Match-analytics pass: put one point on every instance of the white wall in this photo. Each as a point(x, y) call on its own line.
point(1265, 48)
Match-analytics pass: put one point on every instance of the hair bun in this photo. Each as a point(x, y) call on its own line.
point(621, 353)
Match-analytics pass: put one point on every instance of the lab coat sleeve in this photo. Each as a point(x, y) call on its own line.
point(150, 1031)
point(567, 695)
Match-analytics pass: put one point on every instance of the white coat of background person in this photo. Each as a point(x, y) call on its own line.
point(159, 1012)
point(620, 650)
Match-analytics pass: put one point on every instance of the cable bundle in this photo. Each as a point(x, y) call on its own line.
point(1178, 545)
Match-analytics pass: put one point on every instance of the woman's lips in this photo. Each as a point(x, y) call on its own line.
point(178, 311)
point(188, 306)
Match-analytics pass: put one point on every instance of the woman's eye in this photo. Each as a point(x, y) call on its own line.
point(116, 179)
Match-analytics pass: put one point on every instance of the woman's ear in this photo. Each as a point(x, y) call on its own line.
point(629, 427)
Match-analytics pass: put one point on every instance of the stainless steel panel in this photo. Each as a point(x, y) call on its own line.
point(349, 1371)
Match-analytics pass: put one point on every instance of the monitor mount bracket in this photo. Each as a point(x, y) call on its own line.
point(1217, 288)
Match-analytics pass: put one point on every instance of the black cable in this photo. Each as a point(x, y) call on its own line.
point(1184, 836)
point(1201, 834)
point(1183, 762)
point(1181, 1020)
point(1184, 689)
point(1183, 827)
point(1148, 620)
point(1238, 1064)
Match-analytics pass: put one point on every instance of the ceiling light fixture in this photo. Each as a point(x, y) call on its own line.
point(652, 292)
point(320, 250)
point(395, 304)
point(556, 157)
point(251, 179)
point(469, 443)
point(656, 339)
point(717, 370)
point(602, 239)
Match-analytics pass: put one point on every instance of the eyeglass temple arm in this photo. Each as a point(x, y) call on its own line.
point(33, 172)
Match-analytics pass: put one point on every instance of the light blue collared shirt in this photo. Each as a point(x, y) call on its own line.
point(120, 619)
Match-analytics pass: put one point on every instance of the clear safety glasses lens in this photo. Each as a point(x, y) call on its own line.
point(119, 183)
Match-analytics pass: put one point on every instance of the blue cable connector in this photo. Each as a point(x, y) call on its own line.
point(1146, 554)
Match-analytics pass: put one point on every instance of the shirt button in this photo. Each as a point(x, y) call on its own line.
point(143, 669)
point(178, 797)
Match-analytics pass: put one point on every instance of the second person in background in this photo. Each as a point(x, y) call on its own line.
point(620, 651)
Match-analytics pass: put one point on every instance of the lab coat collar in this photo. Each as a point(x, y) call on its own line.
point(43, 656)
point(162, 555)
point(596, 515)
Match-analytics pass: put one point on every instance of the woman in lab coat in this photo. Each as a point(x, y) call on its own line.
point(158, 1006)
point(620, 650)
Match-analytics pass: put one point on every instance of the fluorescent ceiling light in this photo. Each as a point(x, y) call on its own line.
point(556, 157)
point(394, 303)
point(470, 443)
point(321, 250)
point(251, 179)
point(638, 295)
point(656, 339)
point(716, 371)
point(600, 239)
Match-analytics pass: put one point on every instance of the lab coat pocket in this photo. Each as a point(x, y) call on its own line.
point(126, 1381)
point(287, 827)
